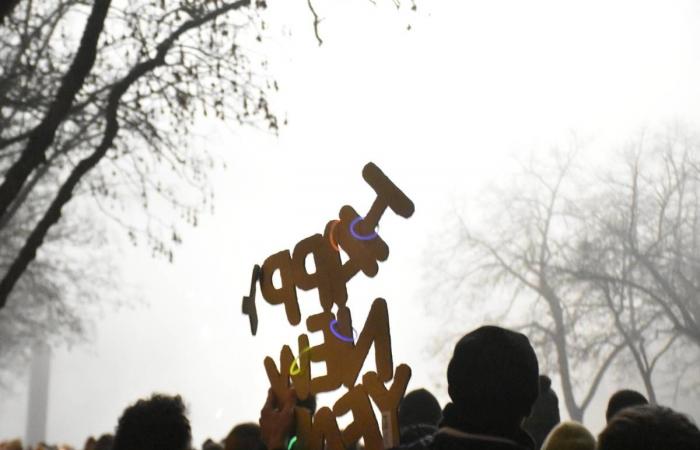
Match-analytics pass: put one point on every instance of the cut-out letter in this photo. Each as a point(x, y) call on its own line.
point(279, 379)
point(388, 195)
point(328, 276)
point(363, 255)
point(287, 293)
point(364, 423)
point(331, 351)
point(387, 401)
point(375, 331)
point(321, 433)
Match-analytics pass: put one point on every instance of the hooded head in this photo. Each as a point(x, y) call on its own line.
point(624, 399)
point(493, 378)
point(419, 407)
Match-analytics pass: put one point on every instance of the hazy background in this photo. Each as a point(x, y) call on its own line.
point(442, 108)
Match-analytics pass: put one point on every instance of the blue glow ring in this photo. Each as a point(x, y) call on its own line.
point(367, 237)
point(340, 336)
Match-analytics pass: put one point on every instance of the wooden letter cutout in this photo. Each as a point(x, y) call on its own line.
point(302, 380)
point(376, 330)
point(388, 195)
point(364, 423)
point(388, 400)
point(328, 276)
point(331, 351)
point(287, 294)
point(363, 255)
point(312, 435)
point(344, 356)
point(279, 379)
point(248, 306)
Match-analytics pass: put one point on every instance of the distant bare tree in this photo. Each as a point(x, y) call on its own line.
point(566, 245)
point(656, 227)
point(70, 281)
point(641, 248)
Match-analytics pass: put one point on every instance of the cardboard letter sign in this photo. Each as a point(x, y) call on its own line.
point(343, 351)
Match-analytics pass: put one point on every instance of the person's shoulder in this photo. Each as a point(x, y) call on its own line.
point(415, 432)
point(452, 439)
point(423, 443)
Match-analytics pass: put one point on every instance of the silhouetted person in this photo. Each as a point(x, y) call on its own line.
point(545, 412)
point(419, 415)
point(105, 442)
point(158, 423)
point(623, 399)
point(209, 444)
point(14, 444)
point(649, 427)
point(89, 443)
point(245, 436)
point(569, 436)
point(493, 381)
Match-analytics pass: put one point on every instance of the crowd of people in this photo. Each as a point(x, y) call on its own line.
point(499, 401)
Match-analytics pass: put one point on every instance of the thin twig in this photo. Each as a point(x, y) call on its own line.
point(316, 22)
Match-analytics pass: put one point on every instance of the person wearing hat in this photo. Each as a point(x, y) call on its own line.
point(419, 415)
point(492, 382)
point(623, 399)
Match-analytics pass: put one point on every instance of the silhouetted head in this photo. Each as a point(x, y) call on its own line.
point(569, 436)
point(545, 412)
point(158, 423)
point(209, 444)
point(245, 436)
point(649, 427)
point(623, 399)
point(492, 381)
point(419, 407)
point(89, 443)
point(105, 442)
point(14, 444)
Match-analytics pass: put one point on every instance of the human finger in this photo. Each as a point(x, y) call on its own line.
point(270, 402)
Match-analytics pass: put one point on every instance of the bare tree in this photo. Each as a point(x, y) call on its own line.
point(517, 249)
point(107, 110)
point(70, 282)
point(641, 250)
point(657, 229)
point(600, 270)
point(98, 101)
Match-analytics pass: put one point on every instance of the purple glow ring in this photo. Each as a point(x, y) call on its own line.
point(340, 336)
point(367, 237)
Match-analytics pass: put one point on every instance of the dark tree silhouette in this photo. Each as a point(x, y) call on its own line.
point(113, 104)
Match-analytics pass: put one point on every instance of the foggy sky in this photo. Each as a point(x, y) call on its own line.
point(442, 109)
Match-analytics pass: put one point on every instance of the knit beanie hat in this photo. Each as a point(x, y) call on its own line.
point(419, 407)
point(493, 373)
